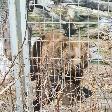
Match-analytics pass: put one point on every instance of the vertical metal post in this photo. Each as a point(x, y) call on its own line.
point(15, 50)
point(26, 61)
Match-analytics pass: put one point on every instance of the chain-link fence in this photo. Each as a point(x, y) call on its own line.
point(61, 56)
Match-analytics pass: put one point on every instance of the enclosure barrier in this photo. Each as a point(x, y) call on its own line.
point(58, 56)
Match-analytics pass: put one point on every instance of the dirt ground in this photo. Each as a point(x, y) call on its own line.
point(98, 79)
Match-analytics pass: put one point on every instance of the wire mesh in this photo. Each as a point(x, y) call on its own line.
point(61, 85)
point(70, 56)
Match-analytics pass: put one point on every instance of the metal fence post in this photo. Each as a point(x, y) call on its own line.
point(15, 50)
point(26, 61)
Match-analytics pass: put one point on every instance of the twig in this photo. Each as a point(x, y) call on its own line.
point(12, 83)
point(13, 63)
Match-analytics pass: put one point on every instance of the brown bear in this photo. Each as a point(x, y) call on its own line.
point(57, 59)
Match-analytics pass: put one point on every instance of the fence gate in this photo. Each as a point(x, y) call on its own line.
point(59, 56)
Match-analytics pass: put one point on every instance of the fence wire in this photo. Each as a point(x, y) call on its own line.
point(77, 23)
point(70, 48)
